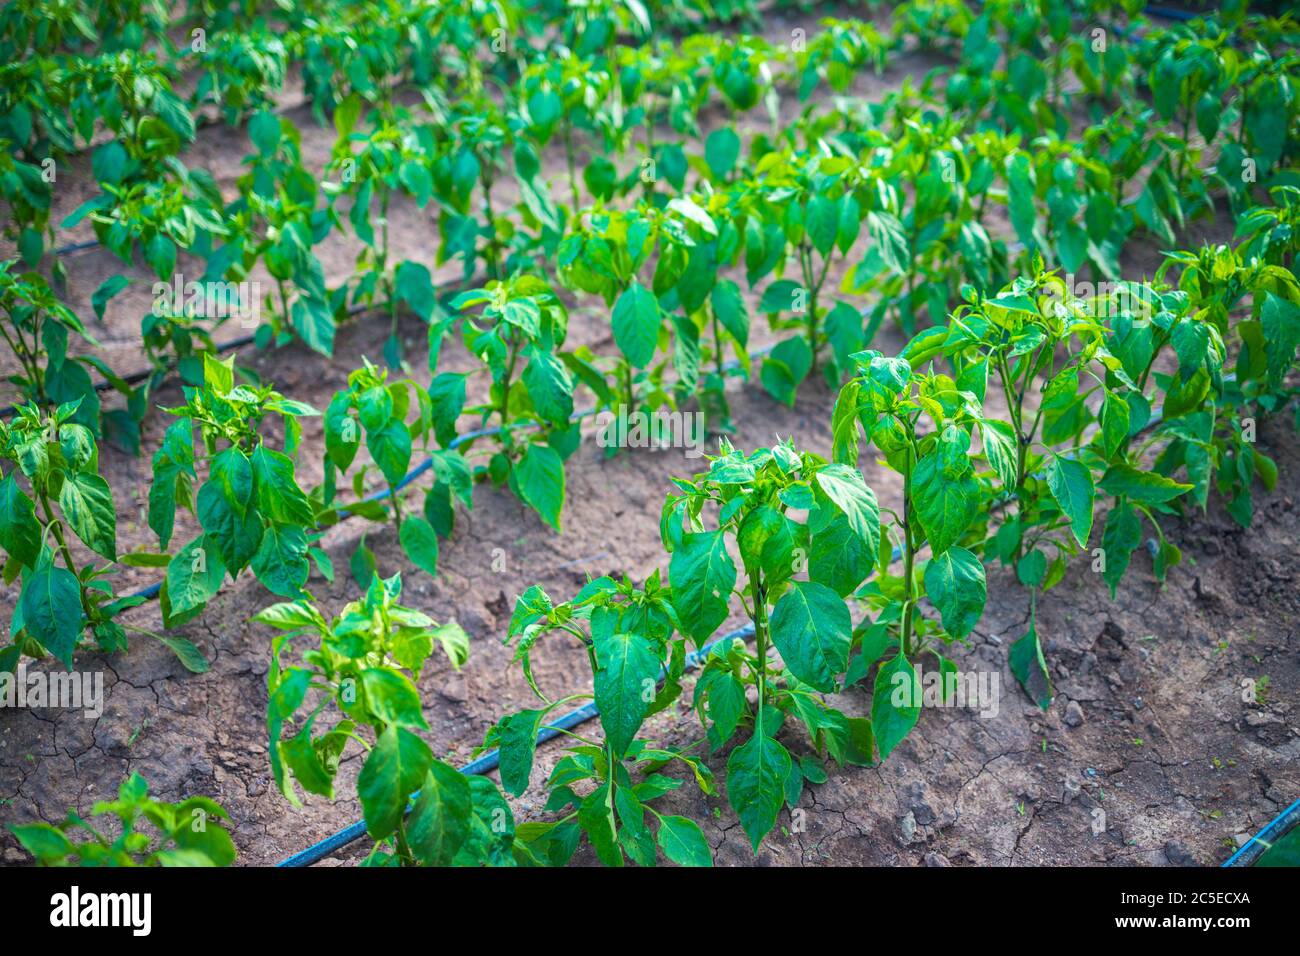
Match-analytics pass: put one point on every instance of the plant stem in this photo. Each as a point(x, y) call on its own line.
point(760, 644)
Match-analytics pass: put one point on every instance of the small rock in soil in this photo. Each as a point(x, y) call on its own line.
point(936, 859)
point(1073, 714)
point(908, 827)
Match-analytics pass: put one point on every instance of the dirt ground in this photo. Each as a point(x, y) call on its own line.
point(1147, 756)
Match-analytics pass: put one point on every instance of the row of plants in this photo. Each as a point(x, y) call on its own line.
point(793, 207)
point(1127, 397)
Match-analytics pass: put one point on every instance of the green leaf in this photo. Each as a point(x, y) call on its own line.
point(845, 486)
point(729, 307)
point(636, 324)
point(281, 561)
point(390, 447)
point(87, 504)
point(683, 842)
point(624, 684)
point(194, 576)
point(312, 320)
point(394, 768)
point(895, 703)
point(20, 532)
point(1120, 537)
point(812, 629)
point(549, 386)
point(1070, 482)
point(107, 289)
point(1000, 449)
point(838, 557)
point(51, 609)
point(540, 479)
point(721, 150)
point(278, 495)
point(822, 223)
point(392, 698)
point(420, 542)
point(946, 506)
point(1143, 487)
point(702, 576)
point(954, 583)
point(186, 652)
point(756, 773)
point(516, 739)
point(1114, 424)
point(414, 286)
point(440, 820)
point(1030, 668)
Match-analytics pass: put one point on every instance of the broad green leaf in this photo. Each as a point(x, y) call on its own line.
point(194, 576)
point(394, 768)
point(756, 773)
point(1142, 487)
point(954, 583)
point(20, 532)
point(516, 738)
point(636, 324)
point(1070, 482)
point(420, 542)
point(946, 506)
point(440, 820)
point(624, 685)
point(812, 629)
point(549, 386)
point(845, 486)
point(390, 447)
point(838, 557)
point(721, 150)
point(702, 575)
point(392, 698)
point(539, 477)
point(281, 561)
point(278, 495)
point(87, 504)
point(51, 609)
point(683, 842)
point(1120, 537)
point(895, 703)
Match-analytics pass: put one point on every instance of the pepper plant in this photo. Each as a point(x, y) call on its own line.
point(66, 601)
point(185, 833)
point(522, 321)
point(359, 672)
point(754, 501)
point(629, 636)
point(921, 423)
point(252, 511)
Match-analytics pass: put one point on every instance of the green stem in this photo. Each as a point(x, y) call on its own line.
point(760, 644)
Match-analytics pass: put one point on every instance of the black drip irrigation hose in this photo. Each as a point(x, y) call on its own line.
point(1262, 841)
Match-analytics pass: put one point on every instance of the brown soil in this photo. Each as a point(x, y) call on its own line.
point(1159, 665)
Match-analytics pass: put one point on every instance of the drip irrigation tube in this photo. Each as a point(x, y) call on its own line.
point(1257, 845)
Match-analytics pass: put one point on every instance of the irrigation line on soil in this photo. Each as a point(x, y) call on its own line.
point(1262, 841)
point(581, 715)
